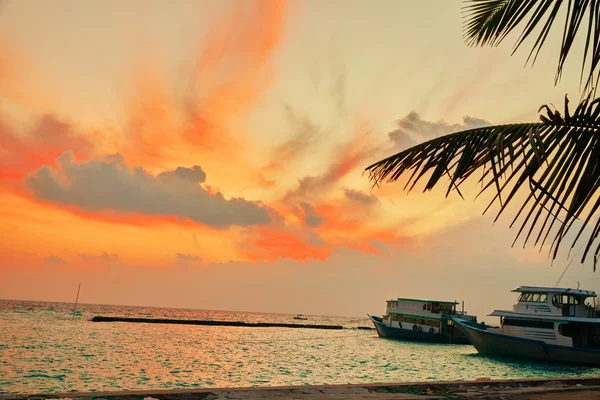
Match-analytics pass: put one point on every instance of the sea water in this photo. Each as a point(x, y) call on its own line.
point(44, 349)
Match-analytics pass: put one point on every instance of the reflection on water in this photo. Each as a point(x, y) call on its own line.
point(44, 349)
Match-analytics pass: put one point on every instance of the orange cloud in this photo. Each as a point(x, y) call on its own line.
point(151, 129)
point(349, 157)
point(67, 235)
point(320, 215)
point(22, 153)
point(233, 69)
point(354, 226)
point(271, 243)
point(314, 231)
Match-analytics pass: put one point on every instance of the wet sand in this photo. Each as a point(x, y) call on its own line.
point(482, 388)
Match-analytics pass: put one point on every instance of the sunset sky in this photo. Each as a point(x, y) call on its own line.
point(209, 154)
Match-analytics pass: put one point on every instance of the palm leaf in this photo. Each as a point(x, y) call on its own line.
point(488, 22)
point(555, 161)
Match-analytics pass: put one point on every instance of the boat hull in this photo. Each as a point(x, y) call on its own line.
point(497, 344)
point(415, 336)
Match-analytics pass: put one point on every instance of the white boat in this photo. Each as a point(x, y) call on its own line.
point(422, 321)
point(549, 324)
point(300, 317)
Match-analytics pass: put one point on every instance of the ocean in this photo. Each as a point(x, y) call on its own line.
point(43, 349)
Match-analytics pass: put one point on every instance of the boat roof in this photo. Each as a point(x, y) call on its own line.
point(542, 289)
point(424, 301)
point(520, 315)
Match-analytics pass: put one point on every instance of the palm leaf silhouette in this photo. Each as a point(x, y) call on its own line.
point(488, 22)
point(556, 161)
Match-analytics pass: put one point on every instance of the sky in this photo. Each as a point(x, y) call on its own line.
point(210, 155)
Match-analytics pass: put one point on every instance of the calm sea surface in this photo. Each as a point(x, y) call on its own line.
point(44, 349)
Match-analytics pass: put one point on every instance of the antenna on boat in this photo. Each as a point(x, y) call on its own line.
point(563, 274)
point(76, 300)
point(567, 267)
point(569, 264)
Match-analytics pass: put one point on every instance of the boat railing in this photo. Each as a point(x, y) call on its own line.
point(452, 312)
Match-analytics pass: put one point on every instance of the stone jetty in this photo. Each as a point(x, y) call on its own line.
point(99, 318)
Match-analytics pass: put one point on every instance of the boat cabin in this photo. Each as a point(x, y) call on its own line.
point(423, 315)
point(421, 307)
point(557, 316)
point(554, 301)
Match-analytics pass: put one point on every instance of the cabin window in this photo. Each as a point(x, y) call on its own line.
point(525, 297)
point(533, 297)
point(446, 307)
point(528, 323)
point(559, 299)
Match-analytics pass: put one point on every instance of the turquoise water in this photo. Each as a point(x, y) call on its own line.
point(44, 349)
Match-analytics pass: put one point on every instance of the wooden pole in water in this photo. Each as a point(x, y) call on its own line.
point(76, 299)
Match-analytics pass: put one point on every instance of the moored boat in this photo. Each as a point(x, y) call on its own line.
point(546, 324)
point(422, 320)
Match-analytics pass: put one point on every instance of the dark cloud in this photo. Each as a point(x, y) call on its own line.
point(194, 174)
point(310, 216)
point(412, 129)
point(361, 197)
point(108, 184)
point(381, 246)
point(53, 260)
point(314, 239)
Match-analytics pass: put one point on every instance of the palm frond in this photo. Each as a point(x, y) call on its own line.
point(488, 22)
point(556, 161)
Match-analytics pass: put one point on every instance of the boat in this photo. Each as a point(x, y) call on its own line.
point(422, 320)
point(546, 324)
point(300, 317)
